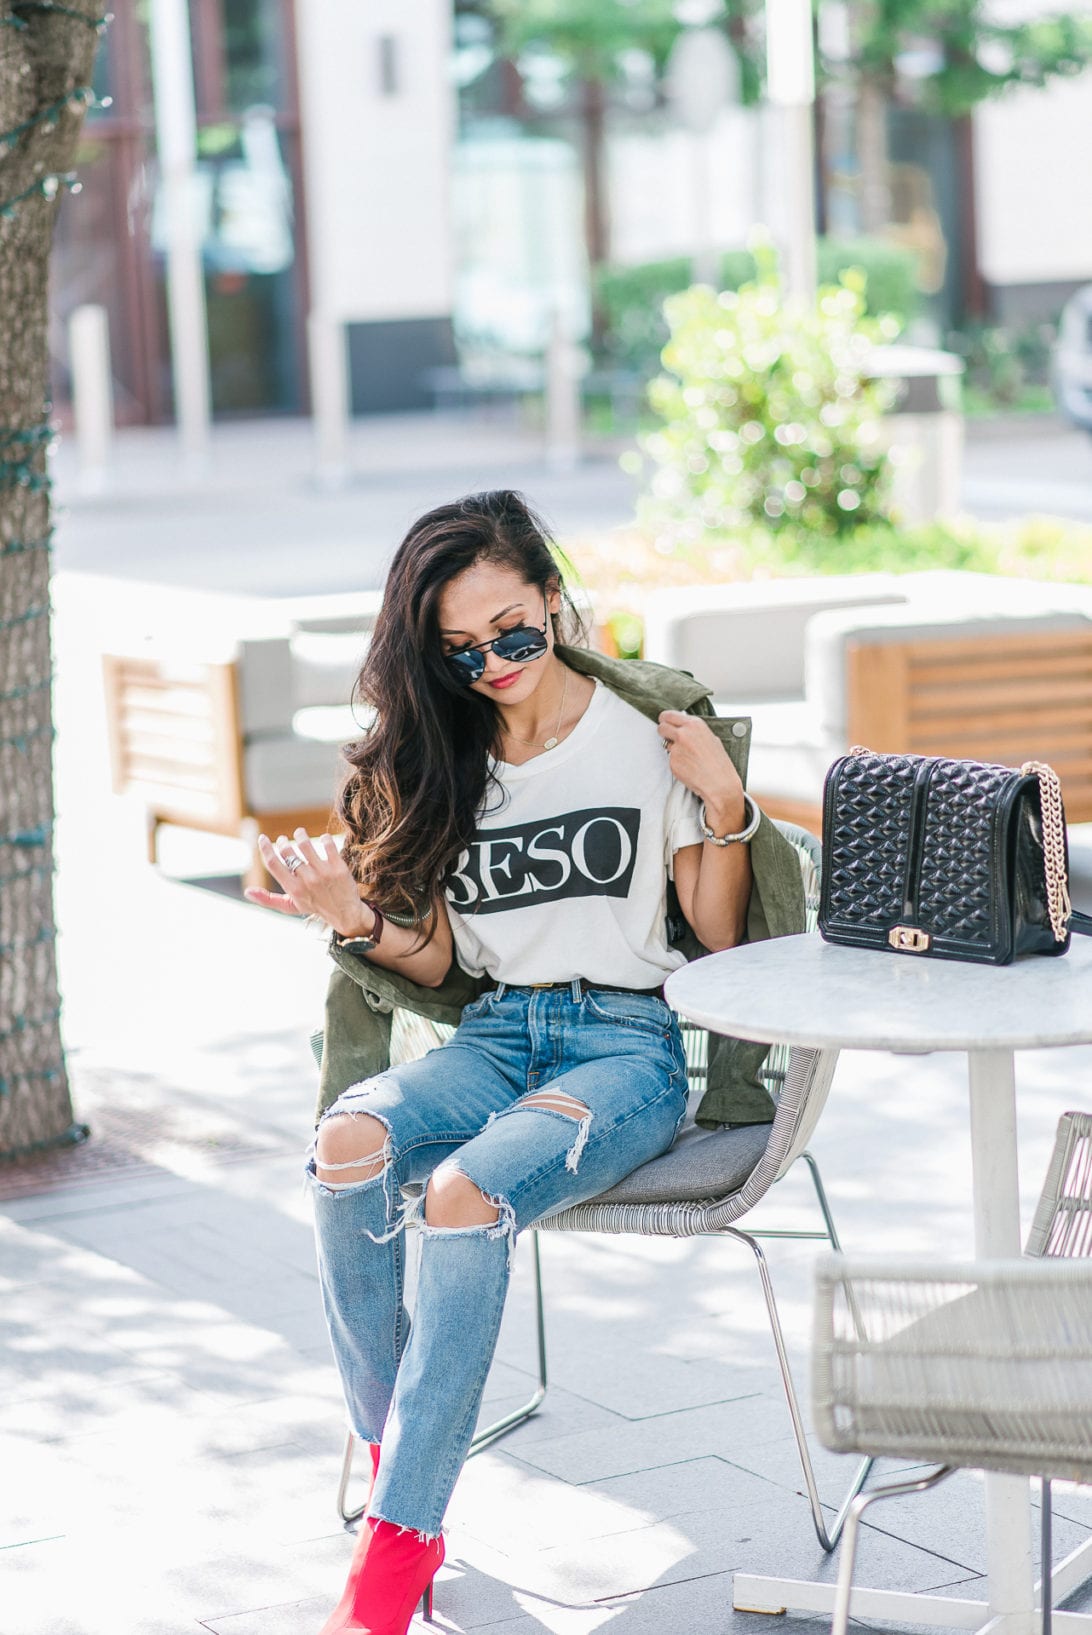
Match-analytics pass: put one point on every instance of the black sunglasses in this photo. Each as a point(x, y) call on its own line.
point(522, 644)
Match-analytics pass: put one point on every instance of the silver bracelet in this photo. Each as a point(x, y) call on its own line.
point(744, 834)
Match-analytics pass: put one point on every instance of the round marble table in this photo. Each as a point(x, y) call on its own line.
point(804, 991)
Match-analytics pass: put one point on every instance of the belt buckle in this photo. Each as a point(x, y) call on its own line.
point(542, 984)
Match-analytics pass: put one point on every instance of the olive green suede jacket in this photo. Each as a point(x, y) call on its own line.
point(361, 997)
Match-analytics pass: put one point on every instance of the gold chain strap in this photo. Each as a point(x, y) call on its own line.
point(1050, 799)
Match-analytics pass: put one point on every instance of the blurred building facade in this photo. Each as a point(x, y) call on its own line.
point(376, 165)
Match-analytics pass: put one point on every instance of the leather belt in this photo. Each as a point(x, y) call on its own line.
point(585, 987)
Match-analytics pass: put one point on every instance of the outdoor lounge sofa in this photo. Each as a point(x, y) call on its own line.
point(225, 713)
point(961, 664)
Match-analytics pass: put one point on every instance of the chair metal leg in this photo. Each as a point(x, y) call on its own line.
point(821, 1195)
point(1046, 1554)
point(832, 1232)
point(858, 1506)
point(490, 1433)
point(348, 1516)
point(828, 1537)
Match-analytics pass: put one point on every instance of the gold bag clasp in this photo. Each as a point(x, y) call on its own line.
point(908, 939)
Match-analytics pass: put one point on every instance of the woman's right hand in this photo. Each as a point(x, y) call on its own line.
point(321, 884)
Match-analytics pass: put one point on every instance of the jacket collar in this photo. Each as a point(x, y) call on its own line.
point(648, 687)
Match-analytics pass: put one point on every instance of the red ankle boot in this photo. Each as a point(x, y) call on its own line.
point(337, 1620)
point(397, 1570)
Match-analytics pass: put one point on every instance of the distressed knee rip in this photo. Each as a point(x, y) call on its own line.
point(452, 1196)
point(453, 1200)
point(557, 1101)
point(342, 1147)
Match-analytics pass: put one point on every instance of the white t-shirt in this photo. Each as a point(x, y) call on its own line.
point(567, 875)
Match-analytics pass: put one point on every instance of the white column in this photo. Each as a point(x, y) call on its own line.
point(326, 346)
point(176, 143)
point(378, 109)
point(563, 404)
point(92, 394)
point(790, 87)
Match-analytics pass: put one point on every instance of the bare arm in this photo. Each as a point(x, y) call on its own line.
point(713, 882)
point(324, 886)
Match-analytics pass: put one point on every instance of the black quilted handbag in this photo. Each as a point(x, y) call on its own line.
point(958, 859)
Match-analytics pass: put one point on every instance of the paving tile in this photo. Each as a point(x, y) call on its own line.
point(294, 1618)
point(135, 1595)
point(691, 1606)
point(956, 1510)
point(663, 1439)
point(1074, 1503)
point(686, 1520)
point(648, 1341)
point(778, 1461)
point(82, 1406)
point(562, 1414)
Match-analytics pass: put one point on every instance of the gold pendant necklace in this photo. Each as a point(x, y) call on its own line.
point(551, 743)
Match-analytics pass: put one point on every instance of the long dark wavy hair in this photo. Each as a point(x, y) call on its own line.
point(420, 773)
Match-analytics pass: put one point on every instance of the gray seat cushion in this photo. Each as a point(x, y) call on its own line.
point(701, 1164)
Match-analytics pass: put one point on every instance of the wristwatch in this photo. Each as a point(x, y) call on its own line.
point(363, 945)
point(745, 833)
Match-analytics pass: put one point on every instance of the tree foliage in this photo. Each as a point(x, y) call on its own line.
point(590, 36)
point(977, 52)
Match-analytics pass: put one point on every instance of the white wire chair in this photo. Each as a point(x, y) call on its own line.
point(1062, 1224)
point(970, 1366)
point(984, 1365)
point(702, 1187)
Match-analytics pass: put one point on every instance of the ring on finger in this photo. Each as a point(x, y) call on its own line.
point(292, 862)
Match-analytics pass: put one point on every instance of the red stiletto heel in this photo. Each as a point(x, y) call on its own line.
point(397, 1573)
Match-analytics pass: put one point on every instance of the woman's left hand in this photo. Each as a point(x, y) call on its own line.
point(700, 761)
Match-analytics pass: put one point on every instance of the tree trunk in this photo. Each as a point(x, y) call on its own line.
point(972, 298)
point(46, 55)
point(596, 217)
point(872, 156)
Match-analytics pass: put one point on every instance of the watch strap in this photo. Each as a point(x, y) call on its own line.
point(363, 945)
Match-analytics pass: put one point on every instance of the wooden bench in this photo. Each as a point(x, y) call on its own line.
point(176, 743)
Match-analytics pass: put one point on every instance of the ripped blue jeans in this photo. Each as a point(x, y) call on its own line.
point(614, 1067)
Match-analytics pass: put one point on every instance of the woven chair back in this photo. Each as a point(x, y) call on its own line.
point(1063, 1216)
point(984, 1364)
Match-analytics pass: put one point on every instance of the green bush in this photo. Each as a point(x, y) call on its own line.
point(632, 298)
point(890, 272)
point(769, 420)
point(1007, 365)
